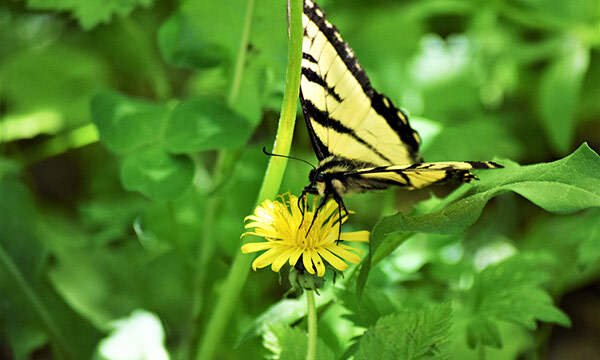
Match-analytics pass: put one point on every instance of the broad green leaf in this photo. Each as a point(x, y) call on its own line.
point(183, 44)
point(23, 277)
point(20, 241)
point(563, 186)
point(91, 12)
point(157, 174)
point(560, 91)
point(511, 291)
point(415, 335)
point(287, 343)
point(204, 124)
point(126, 124)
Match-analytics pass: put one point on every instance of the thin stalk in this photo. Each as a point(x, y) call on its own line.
point(226, 160)
point(240, 267)
point(8, 267)
point(311, 352)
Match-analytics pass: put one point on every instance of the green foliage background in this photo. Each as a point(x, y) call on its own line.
point(131, 136)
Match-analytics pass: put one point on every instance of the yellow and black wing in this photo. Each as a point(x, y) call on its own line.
point(345, 116)
point(363, 142)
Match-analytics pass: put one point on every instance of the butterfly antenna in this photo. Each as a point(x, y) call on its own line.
point(287, 157)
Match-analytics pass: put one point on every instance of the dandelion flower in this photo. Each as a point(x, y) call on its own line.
point(286, 230)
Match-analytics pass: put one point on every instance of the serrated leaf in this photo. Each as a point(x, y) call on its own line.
point(559, 93)
point(409, 335)
point(126, 124)
point(372, 306)
point(91, 12)
point(511, 291)
point(485, 332)
point(204, 124)
point(287, 343)
point(157, 174)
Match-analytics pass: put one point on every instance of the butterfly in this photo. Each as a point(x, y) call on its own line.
point(362, 140)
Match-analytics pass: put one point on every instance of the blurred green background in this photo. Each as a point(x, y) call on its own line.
point(131, 152)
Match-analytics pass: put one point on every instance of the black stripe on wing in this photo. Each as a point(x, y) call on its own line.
point(321, 150)
point(323, 118)
point(314, 77)
point(317, 15)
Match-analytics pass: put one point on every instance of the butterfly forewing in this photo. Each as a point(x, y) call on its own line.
point(363, 142)
point(345, 116)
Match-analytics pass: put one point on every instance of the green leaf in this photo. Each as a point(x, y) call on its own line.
point(365, 311)
point(288, 343)
point(563, 186)
point(421, 334)
point(126, 124)
point(560, 91)
point(572, 239)
point(20, 240)
point(184, 45)
point(511, 291)
point(204, 124)
point(285, 311)
point(157, 174)
point(485, 332)
point(91, 12)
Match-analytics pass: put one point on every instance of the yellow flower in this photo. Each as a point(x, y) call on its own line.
point(289, 239)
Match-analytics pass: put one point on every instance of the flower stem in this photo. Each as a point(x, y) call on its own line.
point(241, 263)
point(311, 352)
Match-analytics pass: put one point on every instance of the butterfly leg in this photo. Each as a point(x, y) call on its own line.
point(341, 205)
point(322, 203)
point(303, 196)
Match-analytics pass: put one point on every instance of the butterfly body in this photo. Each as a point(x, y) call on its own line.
point(362, 140)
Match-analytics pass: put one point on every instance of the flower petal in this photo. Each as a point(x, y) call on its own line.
point(344, 254)
point(333, 260)
point(359, 236)
point(318, 262)
point(282, 259)
point(306, 261)
point(253, 247)
point(295, 255)
point(266, 258)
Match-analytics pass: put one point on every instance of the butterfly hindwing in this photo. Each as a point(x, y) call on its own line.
point(417, 176)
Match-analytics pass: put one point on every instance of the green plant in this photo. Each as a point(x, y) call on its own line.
point(131, 140)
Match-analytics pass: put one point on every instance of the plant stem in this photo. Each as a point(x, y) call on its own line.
point(241, 264)
point(8, 267)
point(311, 352)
